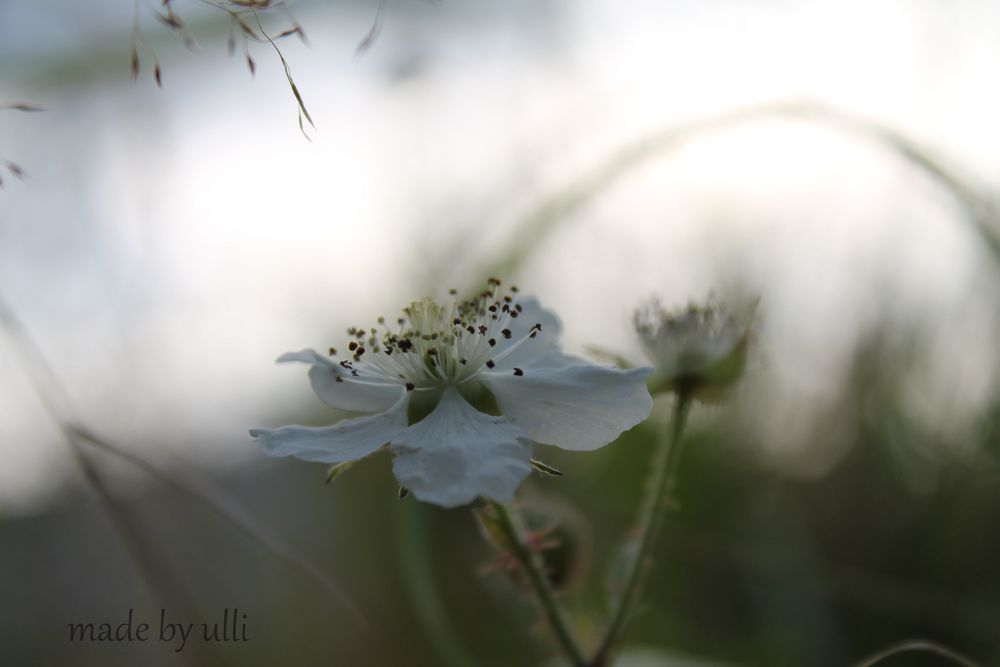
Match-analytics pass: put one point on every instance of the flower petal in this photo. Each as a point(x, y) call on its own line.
point(571, 403)
point(544, 341)
point(457, 453)
point(348, 393)
point(348, 440)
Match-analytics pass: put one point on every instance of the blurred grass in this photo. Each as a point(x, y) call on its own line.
point(556, 210)
point(754, 569)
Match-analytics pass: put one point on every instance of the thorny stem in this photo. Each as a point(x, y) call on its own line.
point(650, 519)
point(540, 583)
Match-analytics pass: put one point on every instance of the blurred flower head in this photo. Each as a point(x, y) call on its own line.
point(460, 391)
point(700, 349)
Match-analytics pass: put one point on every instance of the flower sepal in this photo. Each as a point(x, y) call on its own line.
point(712, 383)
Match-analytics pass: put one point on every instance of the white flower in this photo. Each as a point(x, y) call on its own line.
point(699, 349)
point(420, 382)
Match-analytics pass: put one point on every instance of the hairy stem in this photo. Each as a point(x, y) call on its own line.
point(541, 586)
point(650, 519)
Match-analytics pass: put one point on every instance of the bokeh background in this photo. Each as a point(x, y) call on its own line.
point(837, 160)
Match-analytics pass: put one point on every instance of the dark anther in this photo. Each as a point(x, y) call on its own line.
point(492, 342)
point(352, 346)
point(462, 361)
point(518, 307)
point(482, 329)
point(492, 309)
point(470, 329)
point(518, 372)
point(359, 352)
point(409, 386)
point(456, 321)
point(333, 351)
point(508, 298)
point(453, 291)
point(489, 363)
point(506, 333)
point(538, 326)
point(514, 313)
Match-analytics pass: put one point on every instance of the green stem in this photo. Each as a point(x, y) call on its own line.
point(651, 518)
point(418, 576)
point(543, 590)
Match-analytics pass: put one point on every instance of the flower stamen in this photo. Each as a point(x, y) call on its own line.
point(438, 344)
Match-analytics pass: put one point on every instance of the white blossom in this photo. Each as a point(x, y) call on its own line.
point(460, 392)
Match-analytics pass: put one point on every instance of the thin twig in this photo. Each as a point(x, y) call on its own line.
point(291, 82)
point(26, 107)
point(917, 646)
point(57, 404)
point(273, 547)
point(369, 39)
point(155, 574)
point(165, 588)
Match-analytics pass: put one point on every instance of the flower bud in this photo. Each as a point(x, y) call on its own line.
point(700, 350)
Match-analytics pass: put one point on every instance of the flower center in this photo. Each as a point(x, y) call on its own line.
point(435, 345)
